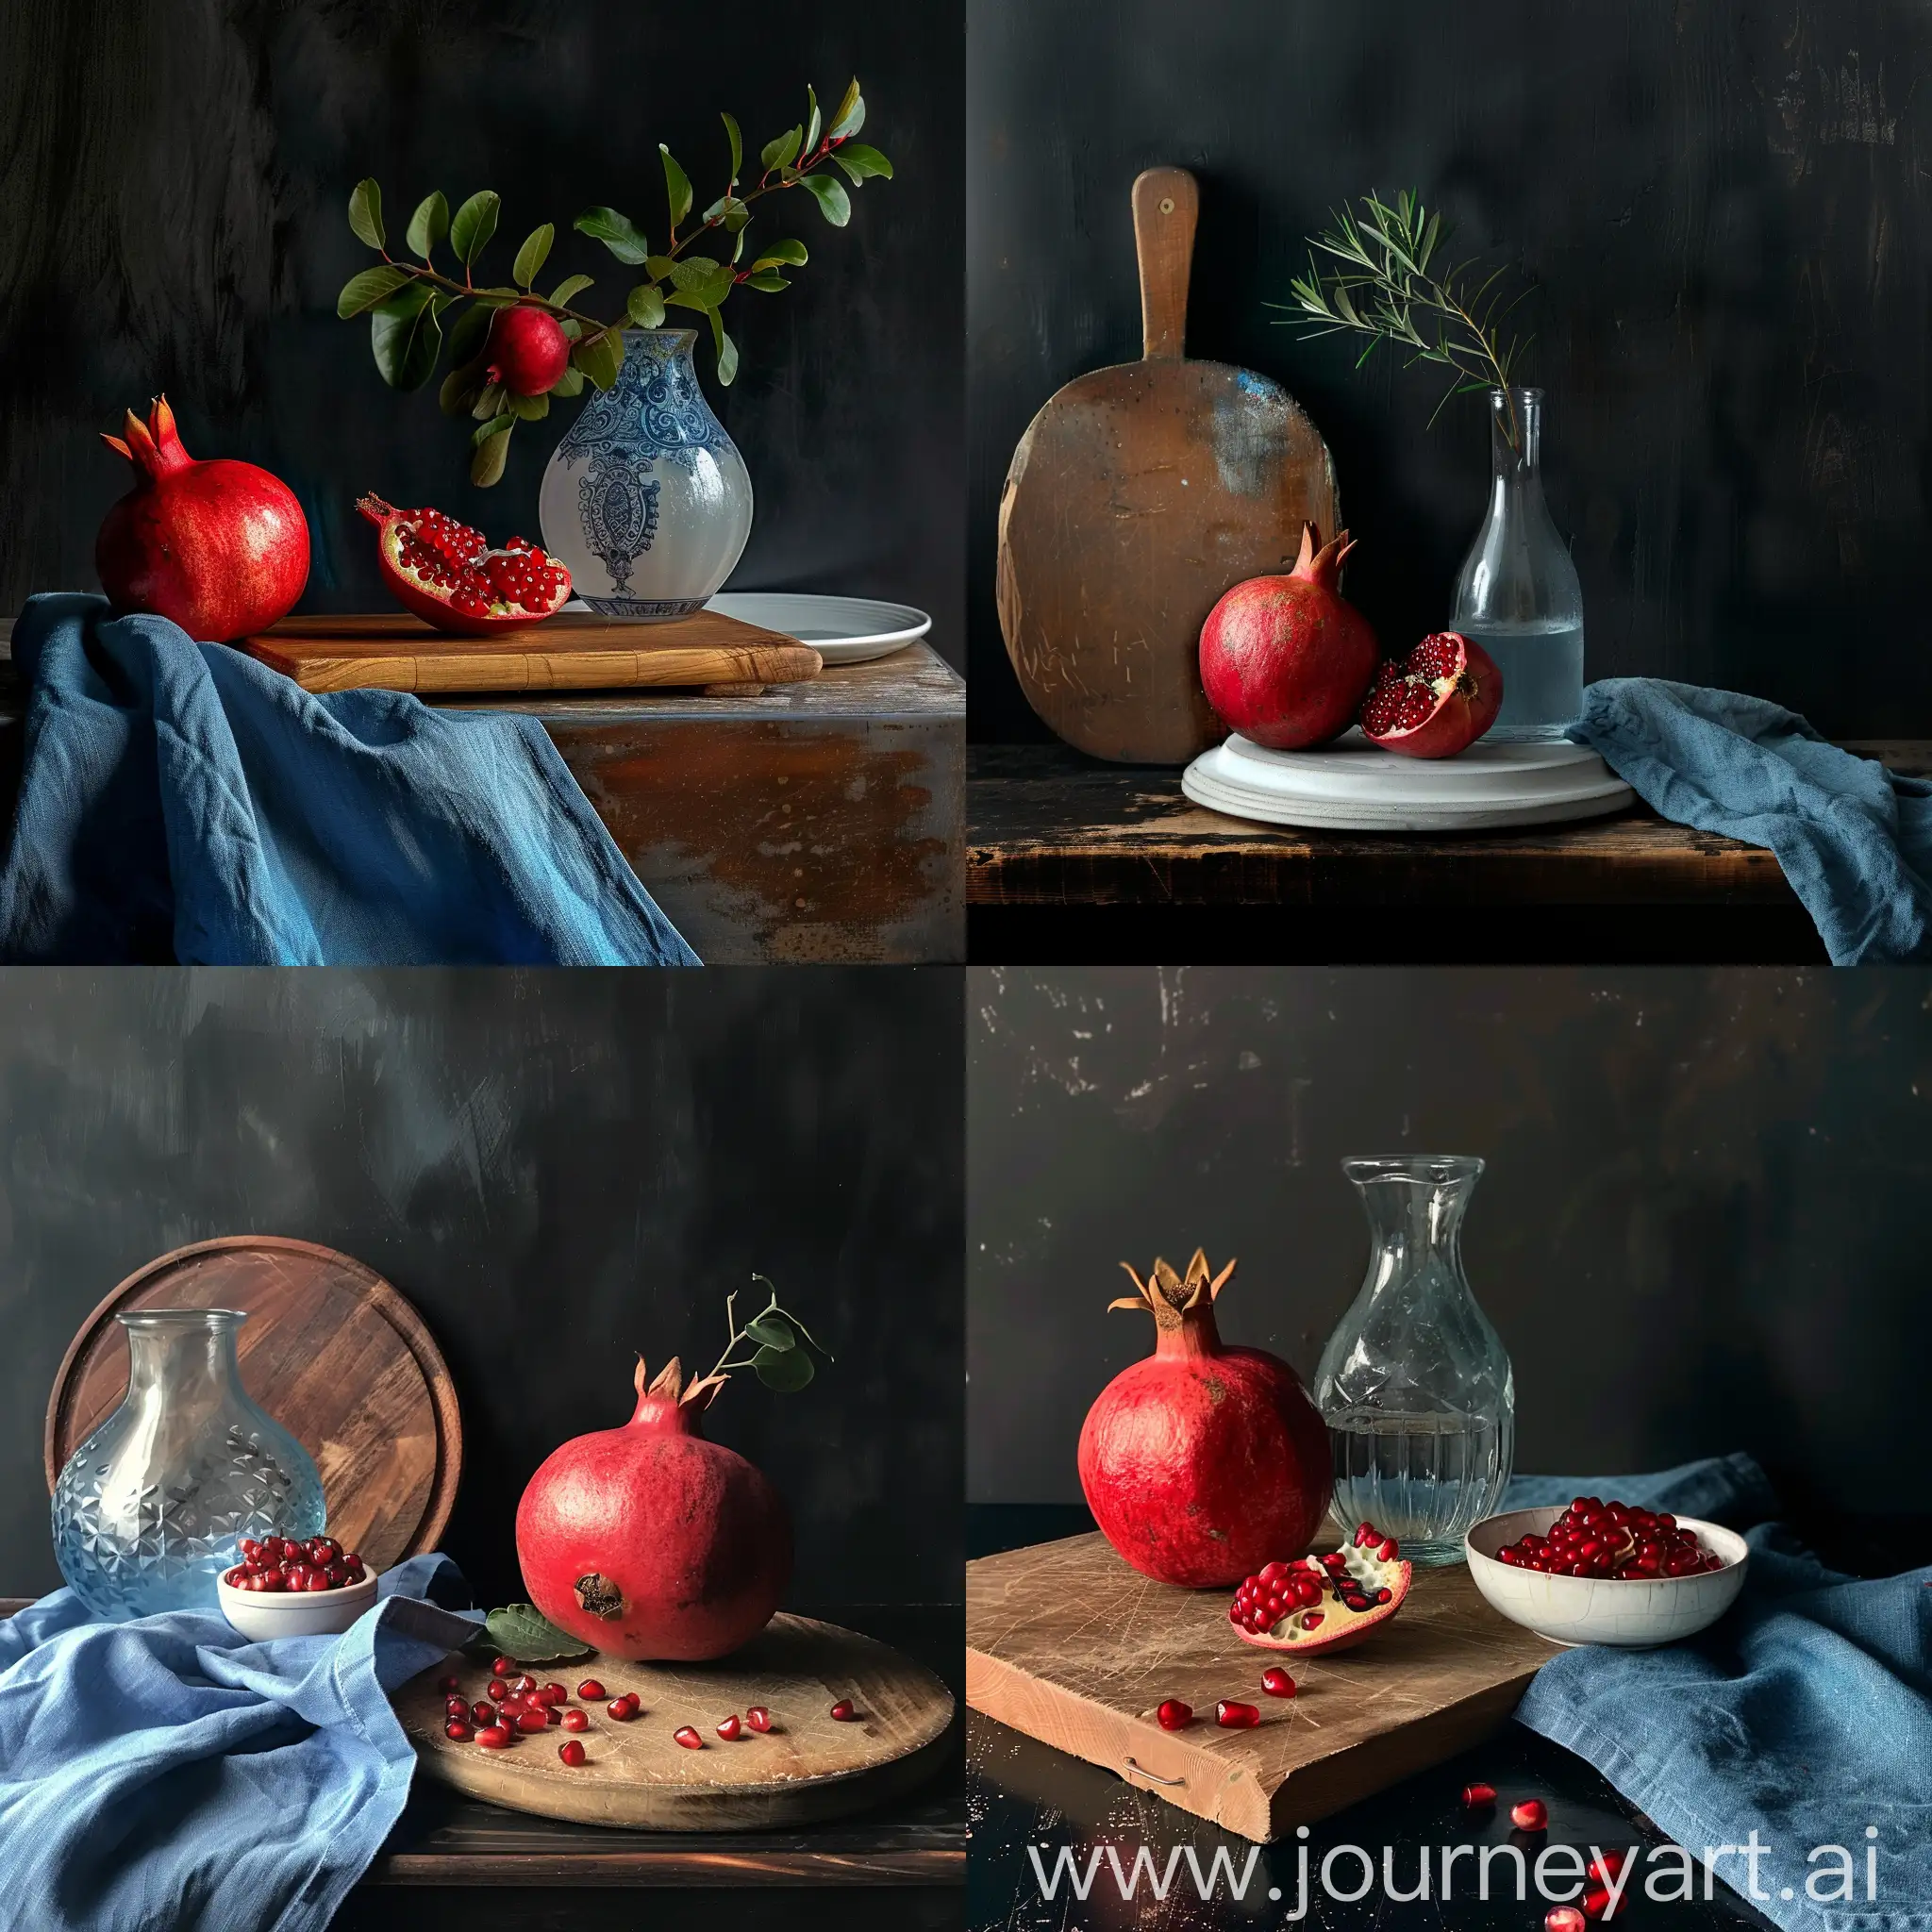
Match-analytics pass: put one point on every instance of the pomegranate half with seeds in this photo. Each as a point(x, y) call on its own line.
point(447, 574)
point(1329, 1602)
point(1437, 701)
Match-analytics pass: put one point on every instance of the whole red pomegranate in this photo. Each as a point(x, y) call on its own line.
point(220, 547)
point(528, 351)
point(650, 1542)
point(1202, 1463)
point(1284, 659)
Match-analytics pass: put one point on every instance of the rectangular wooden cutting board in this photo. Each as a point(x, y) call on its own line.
point(572, 651)
point(1067, 1643)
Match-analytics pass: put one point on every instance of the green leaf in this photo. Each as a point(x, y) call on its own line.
point(600, 357)
point(780, 154)
point(834, 203)
point(429, 224)
point(363, 292)
point(787, 1370)
point(728, 369)
point(791, 254)
point(644, 305)
point(365, 213)
point(475, 223)
point(529, 408)
point(615, 232)
point(696, 272)
point(567, 291)
point(772, 1331)
point(860, 163)
point(469, 332)
point(406, 338)
point(659, 267)
point(489, 403)
point(736, 140)
point(497, 298)
point(677, 188)
point(571, 383)
point(522, 1632)
point(851, 115)
point(813, 123)
point(766, 281)
point(533, 255)
point(492, 452)
point(460, 388)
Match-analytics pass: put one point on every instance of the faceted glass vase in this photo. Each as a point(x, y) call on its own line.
point(1518, 596)
point(150, 1507)
point(1414, 1384)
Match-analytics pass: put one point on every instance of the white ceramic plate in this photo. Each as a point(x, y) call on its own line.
point(842, 630)
point(264, 1614)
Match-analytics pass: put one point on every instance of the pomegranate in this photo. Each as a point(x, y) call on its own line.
point(527, 351)
point(1284, 659)
point(1201, 1461)
point(1436, 702)
point(219, 548)
point(649, 1541)
point(1357, 1589)
point(448, 574)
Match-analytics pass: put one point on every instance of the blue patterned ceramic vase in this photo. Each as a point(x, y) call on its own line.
point(149, 1509)
point(646, 501)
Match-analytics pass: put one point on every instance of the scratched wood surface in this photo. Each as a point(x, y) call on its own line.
point(1138, 495)
point(1068, 1644)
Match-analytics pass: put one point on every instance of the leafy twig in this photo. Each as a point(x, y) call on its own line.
point(773, 1334)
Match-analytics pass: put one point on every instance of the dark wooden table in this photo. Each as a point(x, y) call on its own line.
point(1068, 858)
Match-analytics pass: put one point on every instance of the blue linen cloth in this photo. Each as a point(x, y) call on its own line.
point(1803, 1714)
point(169, 1772)
point(182, 801)
point(1854, 839)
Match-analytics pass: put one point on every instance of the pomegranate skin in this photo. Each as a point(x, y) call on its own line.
point(1285, 660)
point(219, 548)
point(651, 1544)
point(1202, 1463)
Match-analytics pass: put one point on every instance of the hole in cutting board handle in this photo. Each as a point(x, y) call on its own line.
point(1154, 1776)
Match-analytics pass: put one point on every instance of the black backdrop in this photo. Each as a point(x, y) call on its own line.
point(1721, 200)
point(172, 190)
point(1701, 1228)
point(558, 1169)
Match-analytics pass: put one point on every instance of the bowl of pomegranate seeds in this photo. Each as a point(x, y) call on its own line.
point(1597, 1571)
point(295, 1586)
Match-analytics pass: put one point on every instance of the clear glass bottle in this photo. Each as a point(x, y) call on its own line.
point(150, 1506)
point(1518, 596)
point(1414, 1384)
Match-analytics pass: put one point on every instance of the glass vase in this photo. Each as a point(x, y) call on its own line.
point(1518, 596)
point(150, 1507)
point(1415, 1384)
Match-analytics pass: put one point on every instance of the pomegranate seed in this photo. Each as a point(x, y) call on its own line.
point(843, 1711)
point(1605, 1868)
point(1596, 1903)
point(454, 1706)
point(523, 1686)
point(621, 1708)
point(575, 1719)
point(1174, 1715)
point(503, 1667)
point(493, 1738)
point(553, 1693)
point(1277, 1683)
point(1390, 1551)
point(457, 1732)
point(759, 1718)
point(571, 1752)
point(531, 1722)
point(497, 1689)
point(1311, 1620)
point(1531, 1815)
point(590, 1691)
point(1231, 1716)
point(1473, 1795)
point(1564, 1919)
point(1363, 1531)
point(688, 1738)
point(731, 1729)
point(552, 1714)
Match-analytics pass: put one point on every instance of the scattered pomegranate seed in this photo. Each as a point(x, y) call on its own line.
point(590, 1691)
point(1473, 1795)
point(457, 1732)
point(449, 1684)
point(455, 1706)
point(1605, 1868)
point(571, 1752)
point(1564, 1919)
point(1231, 1716)
point(621, 1708)
point(493, 1737)
point(577, 1720)
point(1531, 1815)
point(553, 1693)
point(503, 1667)
point(1596, 1903)
point(1276, 1682)
point(531, 1722)
point(731, 1729)
point(688, 1738)
point(497, 1689)
point(759, 1718)
point(523, 1685)
point(1174, 1715)
point(843, 1711)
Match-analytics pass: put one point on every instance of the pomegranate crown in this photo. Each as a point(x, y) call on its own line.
point(153, 447)
point(1322, 562)
point(668, 1383)
point(1168, 1296)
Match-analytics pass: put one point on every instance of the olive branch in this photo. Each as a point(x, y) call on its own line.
point(406, 301)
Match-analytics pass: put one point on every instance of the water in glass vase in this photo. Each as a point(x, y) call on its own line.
point(1542, 678)
point(1424, 1480)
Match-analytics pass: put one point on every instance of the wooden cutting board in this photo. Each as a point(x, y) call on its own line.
point(330, 1349)
point(806, 1767)
point(1135, 498)
point(1067, 1643)
point(572, 651)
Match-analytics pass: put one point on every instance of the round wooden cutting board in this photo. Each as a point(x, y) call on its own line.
point(805, 1768)
point(330, 1349)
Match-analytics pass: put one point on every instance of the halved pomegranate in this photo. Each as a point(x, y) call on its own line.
point(1323, 1603)
point(447, 574)
point(1437, 701)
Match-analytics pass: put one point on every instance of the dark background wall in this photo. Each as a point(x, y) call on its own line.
point(560, 1170)
point(1701, 1228)
point(173, 192)
point(1722, 202)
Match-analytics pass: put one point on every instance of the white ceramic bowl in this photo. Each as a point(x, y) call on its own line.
point(263, 1614)
point(1635, 1613)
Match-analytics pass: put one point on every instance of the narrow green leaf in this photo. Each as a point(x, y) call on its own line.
point(788, 254)
point(469, 332)
point(600, 357)
point(522, 1632)
point(814, 121)
point(497, 298)
point(766, 281)
point(489, 403)
point(860, 163)
point(677, 188)
point(406, 339)
point(533, 255)
point(498, 425)
point(780, 154)
point(727, 361)
point(615, 232)
point(736, 140)
point(429, 224)
point(644, 305)
point(363, 292)
point(772, 1331)
point(851, 115)
point(834, 203)
point(474, 224)
point(365, 213)
point(786, 1370)
point(567, 291)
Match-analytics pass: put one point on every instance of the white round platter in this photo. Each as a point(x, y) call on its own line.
point(842, 630)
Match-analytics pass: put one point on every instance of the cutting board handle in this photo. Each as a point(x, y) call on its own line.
point(1167, 204)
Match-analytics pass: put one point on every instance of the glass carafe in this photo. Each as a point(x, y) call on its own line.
point(1414, 1384)
point(1518, 596)
point(150, 1506)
